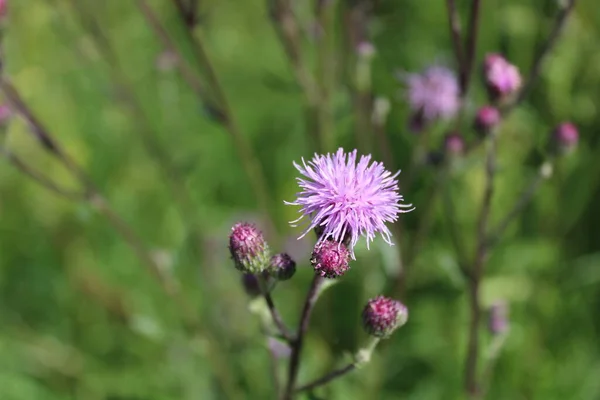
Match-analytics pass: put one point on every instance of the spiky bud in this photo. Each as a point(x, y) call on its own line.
point(487, 119)
point(249, 250)
point(330, 259)
point(382, 316)
point(282, 267)
point(565, 137)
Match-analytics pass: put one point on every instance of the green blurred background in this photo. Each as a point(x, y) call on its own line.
point(80, 318)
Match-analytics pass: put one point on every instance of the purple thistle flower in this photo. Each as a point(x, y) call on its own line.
point(432, 94)
point(346, 199)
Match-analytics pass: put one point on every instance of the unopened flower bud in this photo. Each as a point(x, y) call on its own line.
point(249, 250)
point(382, 316)
point(330, 259)
point(565, 137)
point(502, 79)
point(498, 322)
point(282, 267)
point(487, 119)
point(454, 144)
point(251, 285)
point(5, 112)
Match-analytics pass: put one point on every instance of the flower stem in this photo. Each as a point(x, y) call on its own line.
point(525, 198)
point(311, 299)
point(471, 381)
point(544, 51)
point(275, 316)
point(361, 357)
point(454, 22)
point(471, 47)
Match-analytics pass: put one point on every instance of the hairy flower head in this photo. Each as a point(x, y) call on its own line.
point(343, 198)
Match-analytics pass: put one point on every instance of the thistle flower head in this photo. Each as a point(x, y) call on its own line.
point(433, 94)
point(501, 77)
point(249, 250)
point(382, 316)
point(282, 267)
point(330, 259)
point(346, 198)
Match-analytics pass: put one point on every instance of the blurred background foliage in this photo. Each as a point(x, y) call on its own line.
point(79, 316)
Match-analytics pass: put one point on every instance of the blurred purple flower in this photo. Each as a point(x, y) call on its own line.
point(487, 119)
point(346, 199)
point(498, 322)
point(565, 137)
point(501, 77)
point(5, 110)
point(278, 348)
point(432, 94)
point(454, 144)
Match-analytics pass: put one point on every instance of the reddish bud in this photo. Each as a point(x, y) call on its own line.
point(282, 267)
point(382, 316)
point(249, 250)
point(330, 259)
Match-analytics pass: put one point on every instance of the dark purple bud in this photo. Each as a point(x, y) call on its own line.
point(487, 119)
point(282, 267)
point(565, 137)
point(251, 285)
point(498, 322)
point(382, 316)
point(249, 250)
point(330, 259)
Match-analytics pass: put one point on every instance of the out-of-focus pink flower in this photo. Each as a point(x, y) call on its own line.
point(565, 137)
point(3, 7)
point(498, 322)
point(5, 112)
point(502, 79)
point(454, 144)
point(487, 119)
point(432, 94)
point(344, 198)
